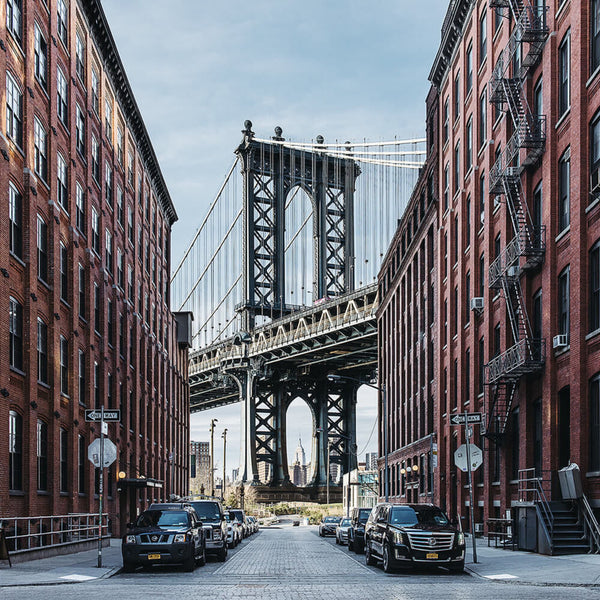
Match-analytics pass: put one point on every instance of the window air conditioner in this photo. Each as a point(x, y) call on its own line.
point(477, 303)
point(478, 527)
point(559, 341)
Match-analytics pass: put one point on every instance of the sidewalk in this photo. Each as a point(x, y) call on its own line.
point(510, 566)
point(67, 568)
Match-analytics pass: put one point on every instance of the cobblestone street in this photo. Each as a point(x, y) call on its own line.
point(295, 563)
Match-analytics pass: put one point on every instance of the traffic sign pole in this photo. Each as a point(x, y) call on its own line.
point(468, 432)
point(101, 486)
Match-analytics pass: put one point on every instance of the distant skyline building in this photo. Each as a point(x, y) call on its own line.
point(299, 469)
point(199, 467)
point(371, 461)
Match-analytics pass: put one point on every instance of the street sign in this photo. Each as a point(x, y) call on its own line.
point(110, 453)
point(460, 457)
point(461, 418)
point(110, 415)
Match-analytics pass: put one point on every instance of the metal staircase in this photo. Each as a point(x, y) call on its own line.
point(525, 251)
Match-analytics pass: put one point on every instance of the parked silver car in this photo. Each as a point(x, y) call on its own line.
point(341, 531)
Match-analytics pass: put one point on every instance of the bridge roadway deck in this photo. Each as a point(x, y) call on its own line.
point(337, 335)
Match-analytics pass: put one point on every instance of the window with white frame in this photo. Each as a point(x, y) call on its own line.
point(564, 302)
point(120, 145)
point(108, 119)
point(564, 74)
point(80, 57)
point(42, 455)
point(469, 68)
point(80, 130)
point(42, 249)
point(64, 272)
point(95, 159)
point(62, 195)
point(40, 143)
point(95, 231)
point(95, 91)
point(482, 36)
point(108, 184)
point(15, 215)
point(594, 35)
point(14, 18)
point(81, 381)
point(119, 205)
point(64, 366)
point(109, 251)
point(62, 97)
point(14, 111)
point(120, 267)
point(80, 208)
point(42, 350)
point(15, 330)
point(130, 169)
point(62, 21)
point(82, 291)
point(130, 233)
point(564, 190)
point(40, 50)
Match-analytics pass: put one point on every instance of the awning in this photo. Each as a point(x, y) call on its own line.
point(140, 482)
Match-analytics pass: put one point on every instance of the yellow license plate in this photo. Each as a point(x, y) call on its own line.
point(431, 555)
point(157, 556)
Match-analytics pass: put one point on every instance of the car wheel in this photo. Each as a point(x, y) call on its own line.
point(458, 567)
point(337, 540)
point(320, 533)
point(387, 559)
point(222, 555)
point(350, 545)
point(201, 560)
point(128, 567)
point(369, 559)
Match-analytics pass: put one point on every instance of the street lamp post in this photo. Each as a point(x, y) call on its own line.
point(386, 477)
point(212, 456)
point(224, 436)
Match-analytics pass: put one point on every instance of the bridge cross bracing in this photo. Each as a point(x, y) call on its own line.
point(280, 278)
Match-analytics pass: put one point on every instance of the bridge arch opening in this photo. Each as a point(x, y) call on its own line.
point(299, 248)
point(300, 432)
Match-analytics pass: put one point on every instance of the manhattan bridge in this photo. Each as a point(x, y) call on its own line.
point(281, 278)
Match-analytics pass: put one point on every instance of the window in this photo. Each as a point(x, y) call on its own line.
point(445, 330)
point(62, 195)
point(482, 119)
point(130, 288)
point(537, 316)
point(64, 366)
point(537, 214)
point(108, 119)
point(497, 340)
point(467, 384)
point(481, 275)
point(482, 37)
point(80, 57)
point(446, 186)
point(14, 19)
point(516, 440)
point(95, 160)
point(108, 184)
point(15, 320)
point(497, 19)
point(469, 148)
point(80, 130)
point(15, 214)
point(595, 157)
point(80, 208)
point(95, 91)
point(446, 126)
point(130, 234)
point(81, 384)
point(564, 74)
point(595, 287)
point(62, 97)
point(63, 461)
point(40, 141)
point(110, 323)
point(42, 249)
point(42, 350)
point(109, 251)
point(468, 297)
point(595, 423)
point(14, 111)
point(64, 272)
point(96, 385)
point(42, 456)
point(456, 168)
point(482, 199)
point(481, 366)
point(119, 205)
point(457, 96)
point(81, 464)
point(538, 98)
point(455, 385)
point(95, 231)
point(40, 49)
point(96, 308)
point(61, 13)
point(595, 34)
point(564, 190)
point(120, 145)
point(15, 451)
point(82, 291)
point(130, 169)
point(120, 268)
point(563, 302)
point(469, 66)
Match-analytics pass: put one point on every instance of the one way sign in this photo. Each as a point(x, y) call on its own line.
point(110, 415)
point(470, 418)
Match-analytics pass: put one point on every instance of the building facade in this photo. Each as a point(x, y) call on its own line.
point(517, 271)
point(85, 237)
point(200, 482)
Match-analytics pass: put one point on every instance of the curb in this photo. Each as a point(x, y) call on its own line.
point(532, 583)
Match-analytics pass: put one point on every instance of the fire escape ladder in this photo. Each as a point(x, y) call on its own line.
point(526, 248)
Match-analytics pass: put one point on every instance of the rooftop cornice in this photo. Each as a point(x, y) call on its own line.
point(452, 28)
point(106, 44)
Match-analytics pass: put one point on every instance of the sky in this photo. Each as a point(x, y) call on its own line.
point(343, 69)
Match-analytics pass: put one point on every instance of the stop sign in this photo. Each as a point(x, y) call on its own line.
point(110, 453)
point(460, 457)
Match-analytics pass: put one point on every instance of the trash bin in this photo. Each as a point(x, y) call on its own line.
point(570, 482)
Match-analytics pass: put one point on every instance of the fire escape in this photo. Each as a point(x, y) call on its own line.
point(525, 251)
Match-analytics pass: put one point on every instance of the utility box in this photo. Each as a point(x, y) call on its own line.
point(570, 482)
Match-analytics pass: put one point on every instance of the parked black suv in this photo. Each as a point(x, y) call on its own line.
point(164, 536)
point(211, 513)
point(356, 533)
point(413, 534)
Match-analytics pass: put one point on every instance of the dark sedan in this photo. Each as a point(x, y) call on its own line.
point(328, 525)
point(164, 536)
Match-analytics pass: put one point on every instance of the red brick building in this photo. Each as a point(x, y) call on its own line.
point(517, 250)
point(85, 240)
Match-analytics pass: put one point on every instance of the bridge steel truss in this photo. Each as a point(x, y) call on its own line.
point(286, 359)
point(525, 251)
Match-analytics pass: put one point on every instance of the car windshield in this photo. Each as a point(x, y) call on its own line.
point(163, 518)
point(207, 511)
point(345, 523)
point(403, 515)
point(331, 519)
point(363, 515)
point(431, 515)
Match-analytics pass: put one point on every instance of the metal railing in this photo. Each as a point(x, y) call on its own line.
point(531, 489)
point(590, 525)
point(526, 356)
point(24, 534)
